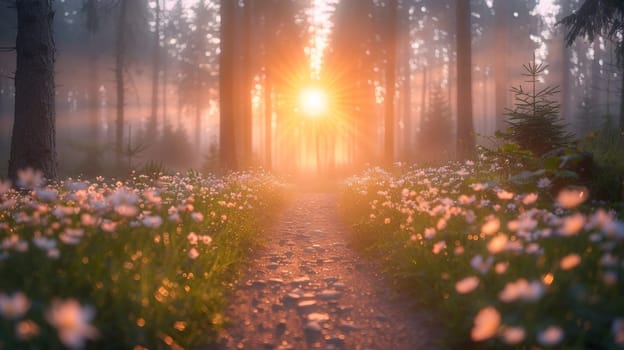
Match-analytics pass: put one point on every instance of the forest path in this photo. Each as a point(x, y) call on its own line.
point(307, 289)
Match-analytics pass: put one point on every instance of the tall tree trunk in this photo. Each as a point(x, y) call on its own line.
point(94, 79)
point(227, 141)
point(165, 81)
point(622, 99)
point(268, 120)
point(408, 120)
point(465, 129)
point(391, 36)
point(153, 123)
point(94, 92)
point(502, 12)
point(198, 123)
point(165, 67)
point(596, 83)
point(566, 95)
point(423, 97)
point(2, 92)
point(244, 94)
point(33, 142)
point(120, 66)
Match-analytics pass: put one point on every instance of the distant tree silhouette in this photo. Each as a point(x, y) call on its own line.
point(92, 23)
point(93, 152)
point(130, 22)
point(281, 49)
point(152, 126)
point(600, 18)
point(436, 136)
point(353, 55)
point(120, 85)
point(33, 142)
point(199, 64)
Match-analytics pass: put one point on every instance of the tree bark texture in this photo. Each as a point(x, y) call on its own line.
point(503, 17)
point(153, 123)
point(120, 66)
point(227, 141)
point(268, 120)
point(566, 94)
point(465, 129)
point(244, 91)
point(406, 50)
point(391, 37)
point(33, 142)
point(622, 99)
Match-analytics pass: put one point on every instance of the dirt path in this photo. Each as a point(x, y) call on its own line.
point(308, 290)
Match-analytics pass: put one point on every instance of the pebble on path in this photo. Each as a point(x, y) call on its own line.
point(308, 290)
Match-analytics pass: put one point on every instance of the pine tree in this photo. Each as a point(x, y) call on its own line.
point(436, 130)
point(534, 123)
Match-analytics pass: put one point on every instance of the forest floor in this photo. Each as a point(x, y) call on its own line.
point(306, 288)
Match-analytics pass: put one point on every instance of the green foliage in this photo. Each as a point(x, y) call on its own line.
point(596, 18)
point(461, 243)
point(534, 122)
point(607, 145)
point(154, 259)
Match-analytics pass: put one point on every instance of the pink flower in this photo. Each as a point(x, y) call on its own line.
point(550, 336)
point(570, 261)
point(529, 199)
point(15, 306)
point(152, 221)
point(491, 226)
point(543, 182)
point(498, 243)
point(504, 195)
point(71, 320)
point(5, 186)
point(29, 178)
point(26, 330)
point(617, 329)
point(197, 217)
point(514, 335)
point(486, 324)
point(521, 290)
point(192, 238)
point(438, 247)
point(193, 253)
point(467, 285)
point(480, 264)
point(573, 197)
point(572, 224)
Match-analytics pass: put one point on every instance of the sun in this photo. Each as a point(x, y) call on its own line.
point(313, 102)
